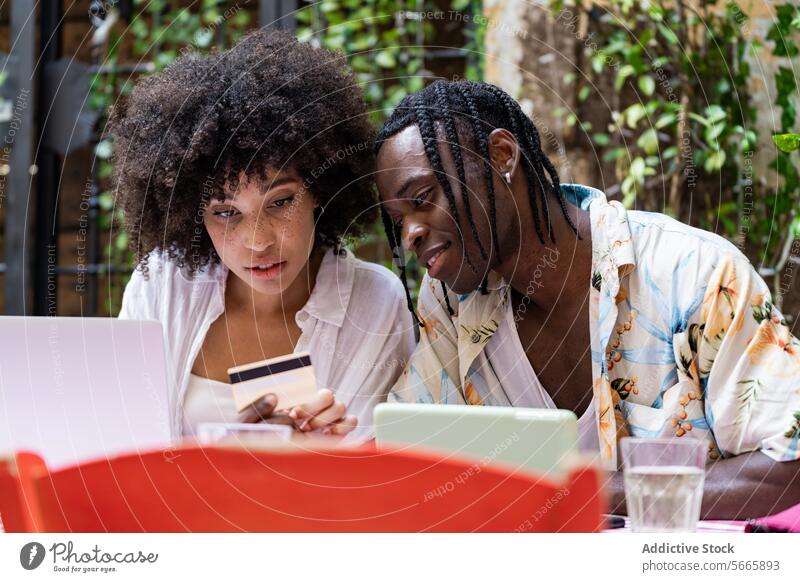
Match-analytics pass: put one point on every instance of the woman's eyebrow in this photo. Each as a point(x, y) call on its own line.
point(271, 185)
point(280, 181)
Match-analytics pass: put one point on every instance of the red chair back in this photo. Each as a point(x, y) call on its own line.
point(19, 511)
point(356, 490)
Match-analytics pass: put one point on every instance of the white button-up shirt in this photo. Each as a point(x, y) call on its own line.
point(355, 325)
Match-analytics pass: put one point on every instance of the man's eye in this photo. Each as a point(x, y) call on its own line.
point(421, 198)
point(224, 213)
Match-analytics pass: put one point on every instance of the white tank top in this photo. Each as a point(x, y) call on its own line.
point(520, 383)
point(207, 400)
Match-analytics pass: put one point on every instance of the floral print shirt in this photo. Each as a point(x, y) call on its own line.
point(685, 340)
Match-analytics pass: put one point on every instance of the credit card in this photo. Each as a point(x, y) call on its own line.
point(290, 378)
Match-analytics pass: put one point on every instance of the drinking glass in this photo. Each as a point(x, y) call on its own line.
point(663, 483)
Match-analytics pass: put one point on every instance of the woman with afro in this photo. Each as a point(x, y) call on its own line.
point(241, 175)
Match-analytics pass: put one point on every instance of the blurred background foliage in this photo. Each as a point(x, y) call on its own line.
point(680, 126)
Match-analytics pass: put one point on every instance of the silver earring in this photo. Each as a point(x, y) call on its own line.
point(508, 177)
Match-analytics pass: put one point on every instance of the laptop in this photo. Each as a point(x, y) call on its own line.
point(537, 440)
point(74, 389)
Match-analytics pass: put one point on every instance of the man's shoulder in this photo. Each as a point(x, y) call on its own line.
point(648, 228)
point(675, 260)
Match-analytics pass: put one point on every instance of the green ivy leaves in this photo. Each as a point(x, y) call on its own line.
point(787, 142)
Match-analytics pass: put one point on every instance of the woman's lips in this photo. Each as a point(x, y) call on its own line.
point(266, 271)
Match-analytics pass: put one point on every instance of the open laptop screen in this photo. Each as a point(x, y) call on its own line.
point(73, 389)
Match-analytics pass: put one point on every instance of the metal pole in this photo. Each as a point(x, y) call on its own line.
point(17, 147)
point(45, 282)
point(274, 14)
point(267, 13)
point(289, 23)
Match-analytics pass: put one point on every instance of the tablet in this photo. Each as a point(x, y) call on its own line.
point(539, 440)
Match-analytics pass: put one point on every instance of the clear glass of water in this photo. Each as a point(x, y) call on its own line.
point(663, 483)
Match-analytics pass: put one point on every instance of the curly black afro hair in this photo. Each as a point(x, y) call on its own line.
point(186, 134)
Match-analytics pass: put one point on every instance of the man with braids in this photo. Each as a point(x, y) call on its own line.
point(547, 295)
point(241, 175)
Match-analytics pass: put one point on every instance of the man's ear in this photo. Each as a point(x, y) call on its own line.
point(503, 151)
